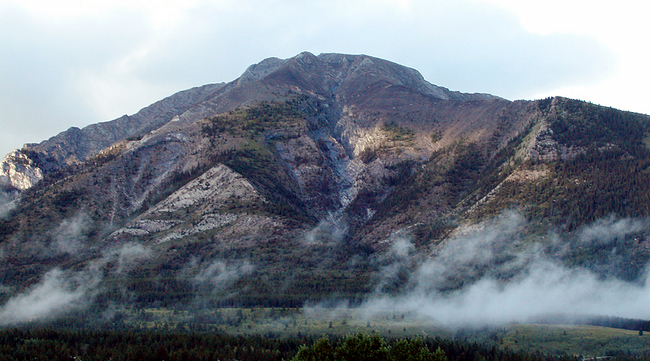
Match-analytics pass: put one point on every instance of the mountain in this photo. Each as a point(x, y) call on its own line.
point(309, 178)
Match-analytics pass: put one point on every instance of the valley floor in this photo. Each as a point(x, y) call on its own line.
point(286, 328)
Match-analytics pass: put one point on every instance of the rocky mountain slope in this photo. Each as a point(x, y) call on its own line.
point(308, 178)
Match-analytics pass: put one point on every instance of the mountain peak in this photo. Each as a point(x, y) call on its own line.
point(350, 78)
point(333, 73)
point(321, 170)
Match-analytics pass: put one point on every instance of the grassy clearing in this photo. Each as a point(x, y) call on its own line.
point(283, 322)
point(575, 340)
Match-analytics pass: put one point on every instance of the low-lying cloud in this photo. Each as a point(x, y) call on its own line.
point(546, 289)
point(492, 273)
point(127, 257)
point(7, 202)
point(62, 291)
point(220, 274)
point(58, 292)
point(329, 231)
point(69, 235)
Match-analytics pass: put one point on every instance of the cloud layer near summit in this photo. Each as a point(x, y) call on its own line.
point(82, 62)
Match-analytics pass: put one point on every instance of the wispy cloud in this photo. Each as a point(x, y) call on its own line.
point(329, 231)
point(220, 274)
point(62, 291)
point(7, 203)
point(127, 256)
point(69, 235)
point(493, 274)
point(58, 292)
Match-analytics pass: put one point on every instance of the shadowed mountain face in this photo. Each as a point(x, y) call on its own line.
point(304, 178)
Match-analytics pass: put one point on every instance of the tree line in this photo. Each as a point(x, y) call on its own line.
point(57, 344)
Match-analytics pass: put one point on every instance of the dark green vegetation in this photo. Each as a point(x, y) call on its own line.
point(48, 344)
point(398, 133)
point(549, 343)
point(254, 121)
point(361, 346)
point(590, 147)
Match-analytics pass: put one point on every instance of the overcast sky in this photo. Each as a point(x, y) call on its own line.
point(73, 63)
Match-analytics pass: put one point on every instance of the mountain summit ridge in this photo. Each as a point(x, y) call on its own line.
point(76, 145)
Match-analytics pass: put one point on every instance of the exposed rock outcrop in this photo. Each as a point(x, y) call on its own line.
point(19, 171)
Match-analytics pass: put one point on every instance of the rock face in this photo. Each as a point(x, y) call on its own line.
point(206, 197)
point(307, 168)
point(19, 171)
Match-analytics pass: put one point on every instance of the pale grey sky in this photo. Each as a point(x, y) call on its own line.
point(79, 62)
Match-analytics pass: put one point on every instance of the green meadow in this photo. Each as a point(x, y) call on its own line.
point(589, 341)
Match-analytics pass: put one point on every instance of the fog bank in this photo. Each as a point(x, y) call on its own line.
point(492, 273)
